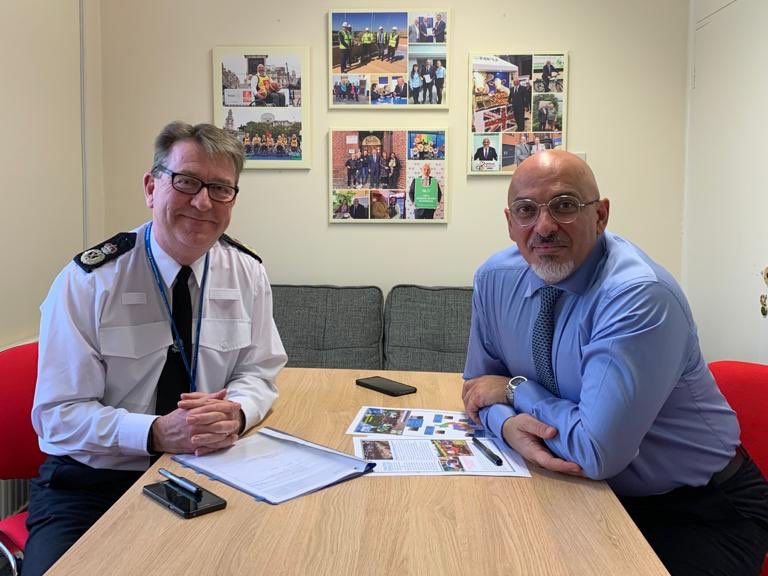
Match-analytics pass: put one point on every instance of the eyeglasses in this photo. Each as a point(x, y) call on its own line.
point(191, 185)
point(563, 209)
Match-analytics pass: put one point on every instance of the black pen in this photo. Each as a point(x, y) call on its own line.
point(187, 485)
point(487, 452)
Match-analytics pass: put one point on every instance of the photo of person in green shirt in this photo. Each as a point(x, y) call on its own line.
point(425, 193)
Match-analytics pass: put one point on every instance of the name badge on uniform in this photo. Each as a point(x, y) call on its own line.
point(129, 298)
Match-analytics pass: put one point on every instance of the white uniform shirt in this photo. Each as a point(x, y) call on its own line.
point(104, 337)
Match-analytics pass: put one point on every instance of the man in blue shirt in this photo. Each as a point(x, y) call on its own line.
point(583, 356)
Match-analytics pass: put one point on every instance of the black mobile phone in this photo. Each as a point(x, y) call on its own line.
point(185, 504)
point(385, 385)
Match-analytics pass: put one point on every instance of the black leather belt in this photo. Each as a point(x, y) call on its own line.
point(731, 468)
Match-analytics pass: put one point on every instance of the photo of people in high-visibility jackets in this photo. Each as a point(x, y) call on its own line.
point(399, 58)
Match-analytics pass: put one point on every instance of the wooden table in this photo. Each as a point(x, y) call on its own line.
point(549, 524)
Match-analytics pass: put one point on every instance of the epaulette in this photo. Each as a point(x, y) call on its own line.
point(106, 251)
point(240, 246)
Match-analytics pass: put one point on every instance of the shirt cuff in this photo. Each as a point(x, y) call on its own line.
point(494, 416)
point(134, 430)
point(528, 394)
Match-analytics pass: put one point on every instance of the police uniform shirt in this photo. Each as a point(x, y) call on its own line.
point(104, 337)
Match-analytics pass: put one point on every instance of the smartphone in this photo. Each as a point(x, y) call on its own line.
point(184, 503)
point(385, 385)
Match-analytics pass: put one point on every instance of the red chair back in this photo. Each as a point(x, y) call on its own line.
point(745, 386)
point(20, 456)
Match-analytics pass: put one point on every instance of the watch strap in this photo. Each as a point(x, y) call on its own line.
point(512, 385)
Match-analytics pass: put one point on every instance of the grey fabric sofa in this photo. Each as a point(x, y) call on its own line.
point(421, 328)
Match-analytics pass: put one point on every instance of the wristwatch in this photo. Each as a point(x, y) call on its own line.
point(512, 385)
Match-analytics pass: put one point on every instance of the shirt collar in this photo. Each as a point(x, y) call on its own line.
point(580, 280)
point(169, 268)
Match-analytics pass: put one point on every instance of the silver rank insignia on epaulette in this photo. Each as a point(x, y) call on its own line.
point(92, 257)
point(109, 248)
point(106, 251)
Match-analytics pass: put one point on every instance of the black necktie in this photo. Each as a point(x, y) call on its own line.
point(543, 331)
point(174, 378)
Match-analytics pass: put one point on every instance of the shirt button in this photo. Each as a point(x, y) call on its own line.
point(224, 345)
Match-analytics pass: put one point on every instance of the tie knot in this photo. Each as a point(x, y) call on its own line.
point(184, 273)
point(549, 297)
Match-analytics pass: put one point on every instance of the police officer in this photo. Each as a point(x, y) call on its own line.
point(124, 372)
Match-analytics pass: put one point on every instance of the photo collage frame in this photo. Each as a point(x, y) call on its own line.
point(388, 59)
point(388, 176)
point(518, 107)
point(261, 96)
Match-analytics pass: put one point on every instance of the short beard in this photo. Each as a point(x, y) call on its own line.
point(550, 269)
point(553, 272)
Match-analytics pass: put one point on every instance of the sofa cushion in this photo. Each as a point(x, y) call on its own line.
point(427, 328)
point(330, 326)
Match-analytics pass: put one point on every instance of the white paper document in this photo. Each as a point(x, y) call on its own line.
point(414, 422)
point(274, 466)
point(437, 457)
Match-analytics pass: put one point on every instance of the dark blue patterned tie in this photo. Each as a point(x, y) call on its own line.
point(543, 330)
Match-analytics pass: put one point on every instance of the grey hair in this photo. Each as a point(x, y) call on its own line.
point(215, 141)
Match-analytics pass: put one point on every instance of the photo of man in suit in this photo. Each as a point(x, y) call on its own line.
point(423, 31)
point(428, 82)
point(546, 74)
point(401, 89)
point(522, 150)
point(413, 31)
point(518, 97)
point(382, 38)
point(374, 168)
point(486, 151)
point(542, 115)
point(438, 30)
point(358, 211)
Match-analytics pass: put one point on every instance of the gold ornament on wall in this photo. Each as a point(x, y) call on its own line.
point(764, 297)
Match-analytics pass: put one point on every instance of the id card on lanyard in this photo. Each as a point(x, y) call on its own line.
point(177, 341)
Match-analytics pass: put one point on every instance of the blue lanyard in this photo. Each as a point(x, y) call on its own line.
point(191, 371)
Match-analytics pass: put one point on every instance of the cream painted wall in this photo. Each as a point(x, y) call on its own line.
point(41, 226)
point(92, 123)
point(627, 112)
point(704, 8)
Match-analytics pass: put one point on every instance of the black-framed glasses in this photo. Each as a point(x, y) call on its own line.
point(191, 185)
point(563, 209)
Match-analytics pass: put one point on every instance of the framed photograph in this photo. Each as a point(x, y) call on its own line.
point(388, 176)
point(518, 107)
point(388, 60)
point(261, 95)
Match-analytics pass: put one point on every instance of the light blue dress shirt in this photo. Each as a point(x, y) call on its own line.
point(639, 406)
